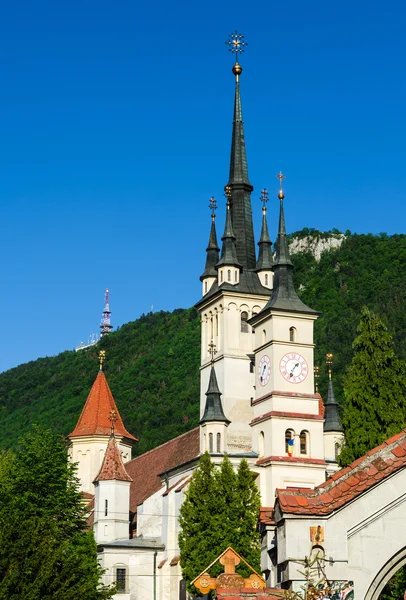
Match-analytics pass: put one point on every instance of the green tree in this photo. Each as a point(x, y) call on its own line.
point(46, 549)
point(221, 509)
point(375, 407)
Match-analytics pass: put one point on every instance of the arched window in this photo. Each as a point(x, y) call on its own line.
point(235, 275)
point(106, 508)
point(229, 275)
point(244, 324)
point(221, 276)
point(211, 326)
point(205, 442)
point(216, 325)
point(261, 444)
point(266, 278)
point(336, 449)
point(205, 287)
point(304, 442)
point(210, 443)
point(253, 314)
point(289, 441)
point(121, 579)
point(292, 334)
point(218, 445)
point(263, 336)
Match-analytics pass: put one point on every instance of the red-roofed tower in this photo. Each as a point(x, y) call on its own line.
point(90, 437)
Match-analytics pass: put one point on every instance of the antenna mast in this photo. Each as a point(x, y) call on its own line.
point(105, 324)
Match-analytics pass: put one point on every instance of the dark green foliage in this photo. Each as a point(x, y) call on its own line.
point(154, 361)
point(396, 586)
point(151, 362)
point(221, 509)
point(375, 407)
point(46, 550)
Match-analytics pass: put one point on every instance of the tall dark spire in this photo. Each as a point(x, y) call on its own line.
point(264, 262)
point(332, 421)
point(213, 411)
point(238, 182)
point(284, 296)
point(228, 250)
point(212, 249)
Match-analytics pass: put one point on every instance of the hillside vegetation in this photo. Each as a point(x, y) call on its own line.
point(153, 363)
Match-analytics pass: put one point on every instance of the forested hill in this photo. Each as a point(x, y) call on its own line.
point(153, 363)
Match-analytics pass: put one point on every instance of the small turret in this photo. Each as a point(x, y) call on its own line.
point(214, 423)
point(333, 431)
point(265, 262)
point(112, 494)
point(209, 274)
point(228, 266)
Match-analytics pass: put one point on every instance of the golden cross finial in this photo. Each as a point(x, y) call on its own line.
point(212, 351)
point(227, 194)
point(281, 177)
point(264, 199)
point(329, 363)
point(213, 207)
point(112, 418)
point(102, 358)
point(316, 378)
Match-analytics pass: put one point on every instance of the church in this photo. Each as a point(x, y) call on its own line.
point(258, 401)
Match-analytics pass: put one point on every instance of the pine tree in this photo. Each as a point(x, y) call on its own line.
point(46, 549)
point(375, 407)
point(221, 509)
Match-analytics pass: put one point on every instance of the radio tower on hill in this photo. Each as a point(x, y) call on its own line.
point(105, 324)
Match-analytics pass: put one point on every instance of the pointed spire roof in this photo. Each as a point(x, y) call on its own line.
point(228, 250)
point(284, 296)
point(94, 419)
point(213, 248)
point(112, 468)
point(213, 410)
point(332, 421)
point(265, 261)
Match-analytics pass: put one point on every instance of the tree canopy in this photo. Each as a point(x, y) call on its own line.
point(375, 406)
point(221, 509)
point(46, 550)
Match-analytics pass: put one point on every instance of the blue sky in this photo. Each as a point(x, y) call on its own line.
point(115, 123)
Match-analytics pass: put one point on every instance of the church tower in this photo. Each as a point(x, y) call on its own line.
point(89, 439)
point(233, 289)
point(288, 424)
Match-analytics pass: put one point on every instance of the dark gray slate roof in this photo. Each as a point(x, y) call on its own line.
point(332, 421)
point(265, 261)
point(212, 256)
point(213, 410)
point(228, 250)
point(249, 284)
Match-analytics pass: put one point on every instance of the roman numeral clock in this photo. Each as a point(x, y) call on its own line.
point(293, 367)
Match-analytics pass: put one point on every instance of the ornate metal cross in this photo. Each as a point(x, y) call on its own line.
point(236, 43)
point(112, 418)
point(213, 206)
point(212, 351)
point(264, 197)
point(102, 358)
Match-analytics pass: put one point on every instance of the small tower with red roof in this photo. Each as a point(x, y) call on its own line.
point(112, 494)
point(91, 435)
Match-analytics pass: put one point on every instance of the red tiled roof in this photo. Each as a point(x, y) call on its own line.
point(112, 468)
point(266, 515)
point(94, 419)
point(174, 561)
point(350, 482)
point(321, 405)
point(144, 469)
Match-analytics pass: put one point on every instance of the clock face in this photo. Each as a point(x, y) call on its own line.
point(293, 367)
point(264, 370)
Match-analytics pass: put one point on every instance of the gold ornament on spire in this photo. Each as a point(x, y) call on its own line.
point(212, 351)
point(213, 207)
point(329, 363)
point(112, 418)
point(264, 199)
point(227, 194)
point(281, 177)
point(102, 358)
point(236, 45)
point(316, 379)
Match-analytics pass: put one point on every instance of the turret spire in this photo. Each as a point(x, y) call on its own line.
point(228, 250)
point(238, 182)
point(332, 421)
point(212, 248)
point(264, 262)
point(213, 410)
point(284, 296)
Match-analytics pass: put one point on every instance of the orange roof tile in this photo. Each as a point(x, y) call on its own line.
point(94, 419)
point(345, 485)
point(144, 469)
point(112, 466)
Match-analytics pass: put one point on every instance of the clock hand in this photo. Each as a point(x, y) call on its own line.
point(293, 368)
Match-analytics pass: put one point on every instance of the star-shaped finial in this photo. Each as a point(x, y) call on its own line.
point(236, 43)
point(102, 358)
